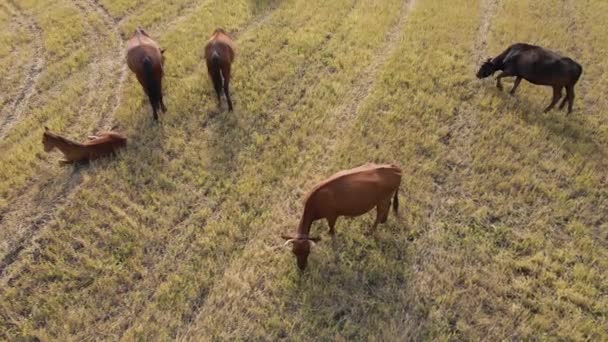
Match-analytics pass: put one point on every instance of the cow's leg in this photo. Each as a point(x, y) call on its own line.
point(382, 210)
point(331, 221)
point(570, 97)
point(386, 208)
point(557, 94)
point(505, 73)
point(515, 85)
point(564, 101)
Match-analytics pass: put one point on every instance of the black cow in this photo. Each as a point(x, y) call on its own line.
point(538, 66)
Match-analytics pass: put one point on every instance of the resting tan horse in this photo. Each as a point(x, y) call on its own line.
point(219, 55)
point(101, 145)
point(145, 59)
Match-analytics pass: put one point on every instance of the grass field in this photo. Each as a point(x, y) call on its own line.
point(503, 231)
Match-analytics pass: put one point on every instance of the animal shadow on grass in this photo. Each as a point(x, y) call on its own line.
point(229, 135)
point(557, 123)
point(367, 274)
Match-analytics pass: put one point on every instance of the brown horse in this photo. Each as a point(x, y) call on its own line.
point(101, 145)
point(219, 54)
point(351, 193)
point(146, 60)
point(539, 66)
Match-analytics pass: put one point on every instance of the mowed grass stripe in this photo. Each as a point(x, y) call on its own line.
point(51, 106)
point(31, 197)
point(21, 59)
point(302, 114)
point(354, 289)
point(86, 217)
point(514, 225)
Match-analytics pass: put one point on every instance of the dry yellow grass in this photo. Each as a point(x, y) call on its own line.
point(504, 209)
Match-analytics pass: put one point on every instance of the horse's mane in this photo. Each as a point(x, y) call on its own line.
point(217, 32)
point(61, 139)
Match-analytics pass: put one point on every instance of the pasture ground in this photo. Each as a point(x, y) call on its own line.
point(504, 209)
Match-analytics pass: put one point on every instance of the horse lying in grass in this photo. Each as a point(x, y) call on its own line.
point(219, 55)
point(538, 66)
point(101, 145)
point(146, 60)
point(351, 193)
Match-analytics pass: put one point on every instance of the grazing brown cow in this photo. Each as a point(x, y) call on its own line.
point(352, 193)
point(219, 55)
point(146, 60)
point(538, 66)
point(98, 146)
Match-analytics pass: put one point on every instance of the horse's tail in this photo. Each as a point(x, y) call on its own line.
point(215, 72)
point(396, 202)
point(152, 86)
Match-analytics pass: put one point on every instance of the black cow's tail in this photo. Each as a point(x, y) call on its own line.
point(579, 72)
point(152, 86)
point(396, 202)
point(215, 73)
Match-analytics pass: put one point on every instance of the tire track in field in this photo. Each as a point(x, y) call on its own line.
point(489, 8)
point(166, 258)
point(182, 254)
point(587, 81)
point(346, 114)
point(358, 96)
point(113, 64)
point(33, 212)
point(448, 186)
point(461, 129)
point(14, 110)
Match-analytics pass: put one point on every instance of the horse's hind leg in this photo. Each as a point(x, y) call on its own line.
point(226, 75)
point(154, 109)
point(162, 103)
point(557, 94)
point(216, 78)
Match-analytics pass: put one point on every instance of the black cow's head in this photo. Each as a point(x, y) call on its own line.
point(487, 69)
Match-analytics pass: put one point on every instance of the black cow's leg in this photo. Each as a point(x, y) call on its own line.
point(515, 85)
point(557, 94)
point(564, 101)
point(570, 97)
point(503, 74)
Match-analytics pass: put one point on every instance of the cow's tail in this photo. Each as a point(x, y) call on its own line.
point(152, 86)
point(578, 72)
point(215, 72)
point(396, 202)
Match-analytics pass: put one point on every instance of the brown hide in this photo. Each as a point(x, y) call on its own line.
point(219, 55)
point(141, 49)
point(351, 192)
point(104, 144)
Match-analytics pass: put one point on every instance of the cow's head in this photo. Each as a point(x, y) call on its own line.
point(300, 246)
point(487, 69)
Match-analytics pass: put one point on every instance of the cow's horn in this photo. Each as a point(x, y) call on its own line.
point(288, 242)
